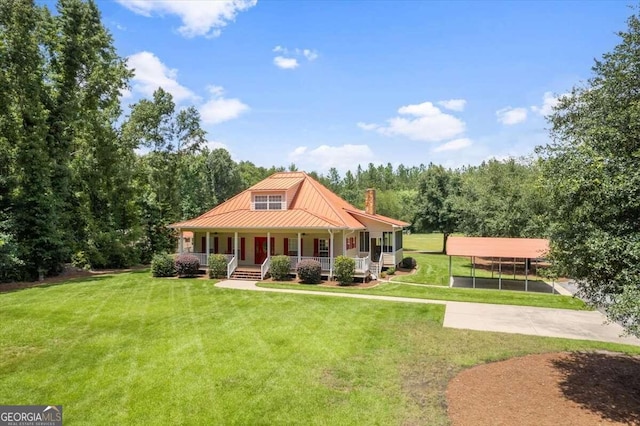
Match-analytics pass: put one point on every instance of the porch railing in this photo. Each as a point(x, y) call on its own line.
point(362, 264)
point(392, 259)
point(325, 262)
point(203, 258)
point(231, 266)
point(264, 268)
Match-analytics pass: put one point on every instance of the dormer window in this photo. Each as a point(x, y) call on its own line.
point(268, 202)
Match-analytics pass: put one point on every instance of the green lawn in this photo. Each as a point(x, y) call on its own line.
point(129, 349)
point(502, 297)
point(422, 242)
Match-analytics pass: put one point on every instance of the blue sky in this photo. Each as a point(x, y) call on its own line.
point(336, 83)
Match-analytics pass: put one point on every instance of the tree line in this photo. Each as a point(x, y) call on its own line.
point(74, 185)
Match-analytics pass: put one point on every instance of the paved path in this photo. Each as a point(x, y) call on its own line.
point(587, 325)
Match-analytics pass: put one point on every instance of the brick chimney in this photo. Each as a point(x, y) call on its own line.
point(370, 201)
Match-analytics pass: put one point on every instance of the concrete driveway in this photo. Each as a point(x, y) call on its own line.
point(583, 325)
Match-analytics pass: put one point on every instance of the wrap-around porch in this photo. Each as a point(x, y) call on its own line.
point(254, 250)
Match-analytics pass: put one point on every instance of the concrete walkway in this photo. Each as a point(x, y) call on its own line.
point(584, 325)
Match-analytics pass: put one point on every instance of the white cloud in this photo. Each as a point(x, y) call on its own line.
point(311, 55)
point(288, 58)
point(549, 101)
point(453, 104)
point(367, 126)
point(219, 109)
point(324, 157)
point(454, 145)
point(216, 144)
point(151, 73)
point(509, 116)
point(285, 63)
point(199, 17)
point(428, 123)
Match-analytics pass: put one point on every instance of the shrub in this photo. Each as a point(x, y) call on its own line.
point(280, 267)
point(187, 265)
point(310, 271)
point(383, 274)
point(163, 265)
point(345, 268)
point(391, 271)
point(80, 260)
point(409, 263)
point(217, 266)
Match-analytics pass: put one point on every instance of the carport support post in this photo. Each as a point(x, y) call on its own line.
point(473, 266)
point(526, 274)
point(450, 274)
point(499, 273)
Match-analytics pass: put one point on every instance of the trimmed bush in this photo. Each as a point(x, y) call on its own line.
point(163, 265)
point(409, 263)
point(217, 266)
point(344, 270)
point(310, 271)
point(383, 274)
point(280, 267)
point(391, 271)
point(187, 265)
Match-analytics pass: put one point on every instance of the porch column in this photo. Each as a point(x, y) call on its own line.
point(500, 273)
point(299, 247)
point(330, 254)
point(206, 258)
point(235, 245)
point(181, 240)
point(526, 274)
point(268, 245)
point(393, 246)
point(344, 242)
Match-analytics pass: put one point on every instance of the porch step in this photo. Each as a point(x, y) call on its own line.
point(246, 275)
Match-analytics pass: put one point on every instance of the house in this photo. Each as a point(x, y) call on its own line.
point(291, 213)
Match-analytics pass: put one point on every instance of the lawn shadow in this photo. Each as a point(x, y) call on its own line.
point(78, 276)
point(604, 383)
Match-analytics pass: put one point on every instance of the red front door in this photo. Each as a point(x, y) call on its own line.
point(260, 250)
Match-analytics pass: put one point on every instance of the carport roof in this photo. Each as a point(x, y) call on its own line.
point(531, 248)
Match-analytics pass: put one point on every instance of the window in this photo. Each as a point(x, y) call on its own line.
point(323, 248)
point(351, 243)
point(387, 244)
point(292, 246)
point(364, 242)
point(260, 202)
point(267, 202)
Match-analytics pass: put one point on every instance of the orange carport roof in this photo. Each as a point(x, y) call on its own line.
point(531, 248)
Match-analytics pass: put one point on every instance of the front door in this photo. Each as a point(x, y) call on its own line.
point(260, 250)
point(375, 250)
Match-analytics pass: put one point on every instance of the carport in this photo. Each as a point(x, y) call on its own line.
point(527, 249)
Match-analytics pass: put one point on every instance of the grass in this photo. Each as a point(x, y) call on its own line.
point(130, 349)
point(423, 242)
point(502, 297)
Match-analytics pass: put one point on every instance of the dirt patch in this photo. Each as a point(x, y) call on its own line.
point(591, 388)
point(325, 283)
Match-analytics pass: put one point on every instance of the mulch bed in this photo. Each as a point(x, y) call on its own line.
point(579, 388)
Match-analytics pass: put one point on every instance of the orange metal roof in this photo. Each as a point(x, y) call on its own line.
point(313, 206)
point(531, 248)
point(278, 182)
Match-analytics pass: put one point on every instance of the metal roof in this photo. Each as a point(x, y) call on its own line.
point(531, 248)
point(312, 206)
